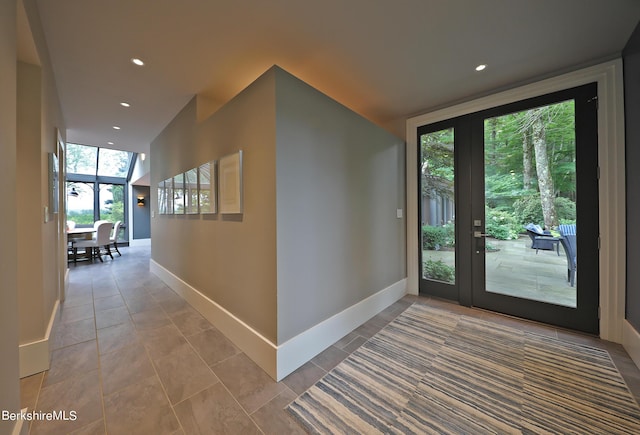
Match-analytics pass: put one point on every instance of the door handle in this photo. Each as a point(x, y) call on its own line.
point(479, 234)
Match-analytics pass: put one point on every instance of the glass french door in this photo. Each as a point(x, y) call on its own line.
point(501, 194)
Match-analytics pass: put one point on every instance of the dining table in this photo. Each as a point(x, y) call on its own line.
point(75, 234)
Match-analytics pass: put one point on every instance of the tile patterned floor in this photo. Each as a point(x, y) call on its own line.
point(130, 356)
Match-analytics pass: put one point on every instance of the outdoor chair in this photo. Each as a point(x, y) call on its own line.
point(541, 239)
point(569, 244)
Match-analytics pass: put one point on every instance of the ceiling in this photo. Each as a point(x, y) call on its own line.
point(384, 59)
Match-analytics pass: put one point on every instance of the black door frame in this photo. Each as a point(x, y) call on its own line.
point(469, 145)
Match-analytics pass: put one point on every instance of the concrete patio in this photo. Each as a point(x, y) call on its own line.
point(517, 270)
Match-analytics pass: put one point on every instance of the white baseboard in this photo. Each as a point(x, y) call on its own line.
point(139, 242)
point(35, 356)
point(280, 361)
point(261, 350)
point(20, 428)
point(631, 341)
point(298, 350)
point(63, 296)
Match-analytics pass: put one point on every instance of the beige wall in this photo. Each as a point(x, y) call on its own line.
point(231, 259)
point(319, 232)
point(9, 386)
point(30, 212)
point(51, 121)
point(41, 253)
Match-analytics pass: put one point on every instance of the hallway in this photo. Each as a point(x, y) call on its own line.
point(130, 356)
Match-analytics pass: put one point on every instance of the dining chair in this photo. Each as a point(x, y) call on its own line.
point(101, 240)
point(114, 236)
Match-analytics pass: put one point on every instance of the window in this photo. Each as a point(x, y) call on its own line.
point(96, 184)
point(81, 159)
point(101, 162)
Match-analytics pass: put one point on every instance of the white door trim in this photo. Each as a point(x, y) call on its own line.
point(612, 179)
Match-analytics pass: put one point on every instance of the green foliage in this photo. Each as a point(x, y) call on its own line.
point(504, 154)
point(439, 271)
point(529, 210)
point(113, 210)
point(434, 238)
point(501, 224)
point(566, 209)
point(82, 217)
point(437, 165)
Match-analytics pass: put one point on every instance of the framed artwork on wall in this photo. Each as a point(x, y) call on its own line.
point(207, 199)
point(230, 184)
point(162, 198)
point(168, 194)
point(191, 191)
point(54, 183)
point(178, 194)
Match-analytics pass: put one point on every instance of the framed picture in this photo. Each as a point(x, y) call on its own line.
point(230, 184)
point(191, 191)
point(54, 183)
point(207, 187)
point(162, 198)
point(178, 194)
point(168, 194)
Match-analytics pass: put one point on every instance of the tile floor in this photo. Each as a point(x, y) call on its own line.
point(130, 356)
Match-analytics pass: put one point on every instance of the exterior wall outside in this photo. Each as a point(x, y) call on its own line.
point(631, 59)
point(231, 259)
point(340, 182)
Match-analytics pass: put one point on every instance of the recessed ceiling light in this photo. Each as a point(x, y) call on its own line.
point(125, 104)
point(480, 67)
point(115, 127)
point(109, 143)
point(137, 61)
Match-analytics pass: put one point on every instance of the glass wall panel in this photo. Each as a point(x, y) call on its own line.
point(438, 206)
point(530, 184)
point(80, 203)
point(113, 163)
point(81, 159)
point(112, 202)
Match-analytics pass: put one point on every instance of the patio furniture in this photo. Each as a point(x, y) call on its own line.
point(542, 239)
point(569, 244)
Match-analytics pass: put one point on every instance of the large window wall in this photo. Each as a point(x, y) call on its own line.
point(97, 181)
